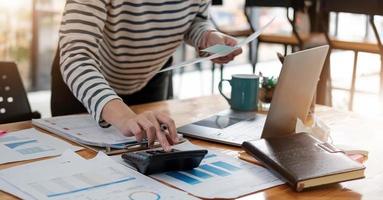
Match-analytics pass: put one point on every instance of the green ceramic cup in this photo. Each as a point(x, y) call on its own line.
point(244, 92)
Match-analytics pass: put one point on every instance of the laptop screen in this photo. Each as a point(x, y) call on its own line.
point(218, 122)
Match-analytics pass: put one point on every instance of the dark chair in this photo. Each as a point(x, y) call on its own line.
point(14, 104)
point(366, 7)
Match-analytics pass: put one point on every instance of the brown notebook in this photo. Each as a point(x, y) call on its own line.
point(304, 161)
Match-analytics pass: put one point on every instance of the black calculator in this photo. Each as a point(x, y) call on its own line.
point(157, 161)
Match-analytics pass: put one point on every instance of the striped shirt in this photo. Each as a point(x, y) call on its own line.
point(110, 47)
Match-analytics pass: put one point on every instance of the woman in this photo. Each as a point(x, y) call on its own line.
point(110, 51)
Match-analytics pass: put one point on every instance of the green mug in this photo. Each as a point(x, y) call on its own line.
point(244, 92)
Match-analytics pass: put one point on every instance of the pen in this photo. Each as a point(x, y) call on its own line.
point(163, 127)
point(142, 143)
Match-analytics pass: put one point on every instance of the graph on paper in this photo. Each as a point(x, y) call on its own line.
point(71, 177)
point(218, 174)
point(80, 182)
point(83, 129)
point(205, 171)
point(30, 144)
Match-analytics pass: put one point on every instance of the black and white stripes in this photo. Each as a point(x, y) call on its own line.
point(110, 47)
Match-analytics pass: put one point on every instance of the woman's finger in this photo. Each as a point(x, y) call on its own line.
point(222, 60)
point(150, 130)
point(237, 52)
point(136, 130)
point(169, 122)
point(230, 57)
point(218, 61)
point(230, 41)
point(163, 140)
point(160, 136)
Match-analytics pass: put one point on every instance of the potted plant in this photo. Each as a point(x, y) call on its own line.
point(267, 89)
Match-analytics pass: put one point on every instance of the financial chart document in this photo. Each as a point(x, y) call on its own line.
point(31, 144)
point(72, 177)
point(83, 129)
point(220, 176)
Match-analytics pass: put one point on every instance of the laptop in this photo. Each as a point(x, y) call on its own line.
point(291, 100)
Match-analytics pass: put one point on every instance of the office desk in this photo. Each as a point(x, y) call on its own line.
point(347, 128)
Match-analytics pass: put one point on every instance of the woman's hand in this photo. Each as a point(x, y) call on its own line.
point(212, 38)
point(144, 125)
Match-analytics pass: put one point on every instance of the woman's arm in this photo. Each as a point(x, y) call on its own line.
point(199, 26)
point(80, 34)
point(201, 34)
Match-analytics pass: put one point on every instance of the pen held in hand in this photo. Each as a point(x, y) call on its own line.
point(163, 127)
point(165, 130)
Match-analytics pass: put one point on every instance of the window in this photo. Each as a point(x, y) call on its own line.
point(28, 36)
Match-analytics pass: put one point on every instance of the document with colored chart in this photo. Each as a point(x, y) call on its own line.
point(84, 130)
point(220, 176)
point(72, 177)
point(31, 144)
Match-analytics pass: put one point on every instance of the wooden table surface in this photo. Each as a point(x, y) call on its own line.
point(346, 128)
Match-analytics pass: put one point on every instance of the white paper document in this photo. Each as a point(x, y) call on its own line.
point(31, 144)
point(72, 177)
point(5, 187)
point(83, 129)
point(218, 50)
point(220, 176)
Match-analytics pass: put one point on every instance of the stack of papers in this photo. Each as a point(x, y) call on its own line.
point(72, 177)
point(84, 130)
point(30, 144)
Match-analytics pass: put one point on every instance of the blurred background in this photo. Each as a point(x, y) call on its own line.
point(29, 36)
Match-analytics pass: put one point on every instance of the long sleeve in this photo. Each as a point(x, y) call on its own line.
point(200, 25)
point(80, 35)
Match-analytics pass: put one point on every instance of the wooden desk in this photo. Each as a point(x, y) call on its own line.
point(346, 128)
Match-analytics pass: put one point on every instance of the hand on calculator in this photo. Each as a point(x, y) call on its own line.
point(146, 125)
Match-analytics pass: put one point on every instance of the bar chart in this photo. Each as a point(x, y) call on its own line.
point(204, 171)
point(218, 174)
point(30, 144)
